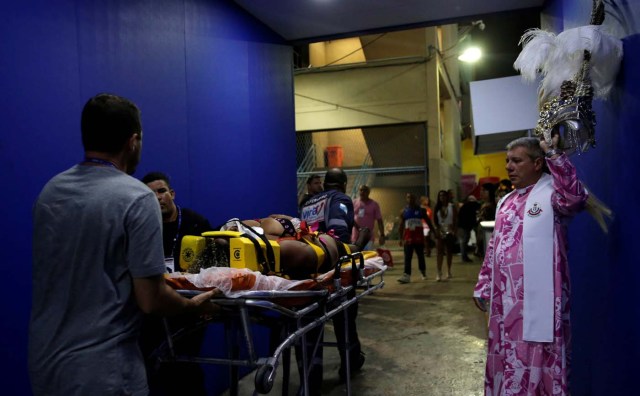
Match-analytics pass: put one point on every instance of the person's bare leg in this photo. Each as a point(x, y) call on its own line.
point(331, 247)
point(271, 227)
point(440, 257)
point(450, 246)
point(251, 223)
point(364, 235)
point(298, 260)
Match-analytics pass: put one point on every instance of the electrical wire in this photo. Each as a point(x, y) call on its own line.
point(356, 50)
point(446, 72)
point(353, 108)
point(463, 35)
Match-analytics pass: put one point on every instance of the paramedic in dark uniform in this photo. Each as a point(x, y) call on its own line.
point(176, 221)
point(332, 211)
point(173, 378)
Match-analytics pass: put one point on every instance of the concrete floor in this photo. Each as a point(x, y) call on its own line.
point(421, 338)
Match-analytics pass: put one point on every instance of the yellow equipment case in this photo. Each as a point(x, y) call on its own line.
point(243, 250)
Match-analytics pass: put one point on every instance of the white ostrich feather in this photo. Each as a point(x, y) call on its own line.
point(559, 66)
point(536, 46)
point(606, 54)
point(559, 58)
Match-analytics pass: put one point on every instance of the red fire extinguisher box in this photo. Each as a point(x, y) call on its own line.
point(334, 156)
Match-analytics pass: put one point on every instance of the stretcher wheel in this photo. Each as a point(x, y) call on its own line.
point(263, 381)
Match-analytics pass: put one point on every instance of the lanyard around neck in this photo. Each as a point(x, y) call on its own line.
point(100, 161)
point(175, 238)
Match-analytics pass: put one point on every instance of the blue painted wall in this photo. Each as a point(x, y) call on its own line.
point(215, 89)
point(604, 267)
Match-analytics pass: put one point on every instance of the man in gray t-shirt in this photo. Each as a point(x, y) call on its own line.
point(97, 263)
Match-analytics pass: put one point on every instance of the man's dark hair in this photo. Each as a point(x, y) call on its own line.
point(107, 122)
point(311, 178)
point(153, 176)
point(439, 203)
point(414, 199)
point(505, 184)
point(335, 179)
point(489, 186)
point(491, 189)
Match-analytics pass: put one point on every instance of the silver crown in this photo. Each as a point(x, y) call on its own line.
point(570, 114)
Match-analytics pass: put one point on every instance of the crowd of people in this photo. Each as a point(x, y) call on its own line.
point(529, 333)
point(96, 225)
point(452, 228)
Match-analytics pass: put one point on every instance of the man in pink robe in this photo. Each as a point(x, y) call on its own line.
point(516, 366)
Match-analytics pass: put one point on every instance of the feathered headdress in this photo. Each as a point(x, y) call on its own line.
point(575, 66)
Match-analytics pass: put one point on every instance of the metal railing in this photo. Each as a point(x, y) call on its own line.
point(362, 177)
point(393, 158)
point(305, 169)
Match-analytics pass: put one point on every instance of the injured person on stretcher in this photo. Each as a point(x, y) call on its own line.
point(238, 259)
point(287, 247)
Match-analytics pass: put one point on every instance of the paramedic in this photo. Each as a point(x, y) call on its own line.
point(177, 221)
point(332, 211)
point(173, 378)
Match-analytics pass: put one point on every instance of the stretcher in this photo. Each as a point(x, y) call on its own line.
point(295, 308)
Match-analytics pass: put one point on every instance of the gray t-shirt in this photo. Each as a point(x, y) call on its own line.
point(95, 229)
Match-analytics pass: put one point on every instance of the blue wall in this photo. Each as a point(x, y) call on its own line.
point(215, 89)
point(604, 267)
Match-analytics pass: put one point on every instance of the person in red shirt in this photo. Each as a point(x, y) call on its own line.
point(412, 236)
point(425, 202)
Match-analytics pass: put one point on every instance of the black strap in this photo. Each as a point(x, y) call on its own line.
point(268, 263)
point(342, 251)
point(327, 264)
point(261, 259)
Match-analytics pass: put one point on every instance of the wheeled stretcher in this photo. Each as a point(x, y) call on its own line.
point(295, 308)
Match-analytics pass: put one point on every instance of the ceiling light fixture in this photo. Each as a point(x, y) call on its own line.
point(479, 24)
